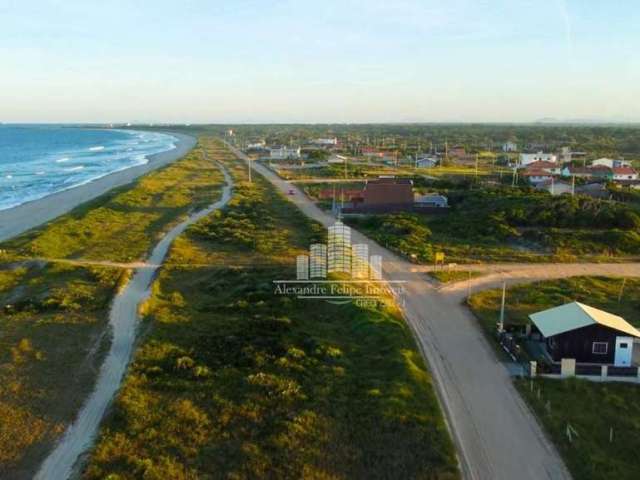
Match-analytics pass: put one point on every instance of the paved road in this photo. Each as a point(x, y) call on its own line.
point(123, 319)
point(496, 435)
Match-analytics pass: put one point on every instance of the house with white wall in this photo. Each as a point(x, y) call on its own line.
point(282, 152)
point(527, 158)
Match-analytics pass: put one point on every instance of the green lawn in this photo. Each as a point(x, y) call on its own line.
point(232, 381)
point(590, 408)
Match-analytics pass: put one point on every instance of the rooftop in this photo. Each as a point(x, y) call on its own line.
point(572, 316)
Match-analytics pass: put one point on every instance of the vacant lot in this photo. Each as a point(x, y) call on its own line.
point(232, 381)
point(506, 224)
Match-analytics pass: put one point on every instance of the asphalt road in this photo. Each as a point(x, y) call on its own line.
point(496, 435)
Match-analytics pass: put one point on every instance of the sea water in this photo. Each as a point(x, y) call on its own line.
point(36, 161)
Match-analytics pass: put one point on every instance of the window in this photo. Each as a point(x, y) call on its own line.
point(600, 348)
point(623, 345)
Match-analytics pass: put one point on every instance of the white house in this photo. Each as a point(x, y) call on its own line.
point(284, 153)
point(527, 158)
point(555, 187)
point(255, 146)
point(611, 163)
point(326, 142)
point(624, 173)
point(428, 161)
point(431, 200)
point(509, 147)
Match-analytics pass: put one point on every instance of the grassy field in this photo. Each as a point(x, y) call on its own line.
point(512, 225)
point(599, 292)
point(452, 276)
point(54, 315)
point(233, 381)
point(591, 409)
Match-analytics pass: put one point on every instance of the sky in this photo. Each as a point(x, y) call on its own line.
point(271, 61)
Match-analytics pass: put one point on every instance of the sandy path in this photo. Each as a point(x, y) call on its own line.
point(496, 435)
point(123, 319)
point(17, 220)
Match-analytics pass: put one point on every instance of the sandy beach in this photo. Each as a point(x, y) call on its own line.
point(17, 220)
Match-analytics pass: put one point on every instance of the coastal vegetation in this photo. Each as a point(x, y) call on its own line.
point(605, 417)
point(233, 381)
point(54, 314)
point(505, 224)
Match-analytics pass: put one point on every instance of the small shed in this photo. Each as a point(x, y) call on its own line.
point(587, 334)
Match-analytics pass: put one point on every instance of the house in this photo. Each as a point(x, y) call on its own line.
point(527, 158)
point(624, 173)
point(611, 163)
point(555, 187)
point(586, 334)
point(388, 191)
point(431, 200)
point(541, 171)
point(282, 152)
point(325, 142)
point(256, 146)
point(509, 147)
point(597, 172)
point(428, 161)
point(456, 151)
point(372, 152)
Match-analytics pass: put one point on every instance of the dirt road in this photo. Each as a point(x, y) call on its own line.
point(496, 435)
point(123, 320)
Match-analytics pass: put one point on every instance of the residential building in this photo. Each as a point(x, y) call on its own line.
point(611, 163)
point(527, 158)
point(555, 187)
point(585, 333)
point(456, 151)
point(372, 152)
point(325, 142)
point(282, 152)
point(428, 161)
point(431, 200)
point(624, 173)
point(541, 171)
point(388, 192)
point(509, 147)
point(597, 172)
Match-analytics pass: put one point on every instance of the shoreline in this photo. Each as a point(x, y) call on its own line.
point(17, 220)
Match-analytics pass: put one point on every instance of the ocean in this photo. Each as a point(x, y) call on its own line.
point(36, 161)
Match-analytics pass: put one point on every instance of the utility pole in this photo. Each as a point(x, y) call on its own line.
point(476, 167)
point(249, 169)
point(573, 185)
point(504, 296)
point(624, 281)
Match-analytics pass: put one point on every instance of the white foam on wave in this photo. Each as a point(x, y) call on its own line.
point(74, 169)
point(41, 173)
point(62, 160)
point(9, 177)
point(96, 149)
